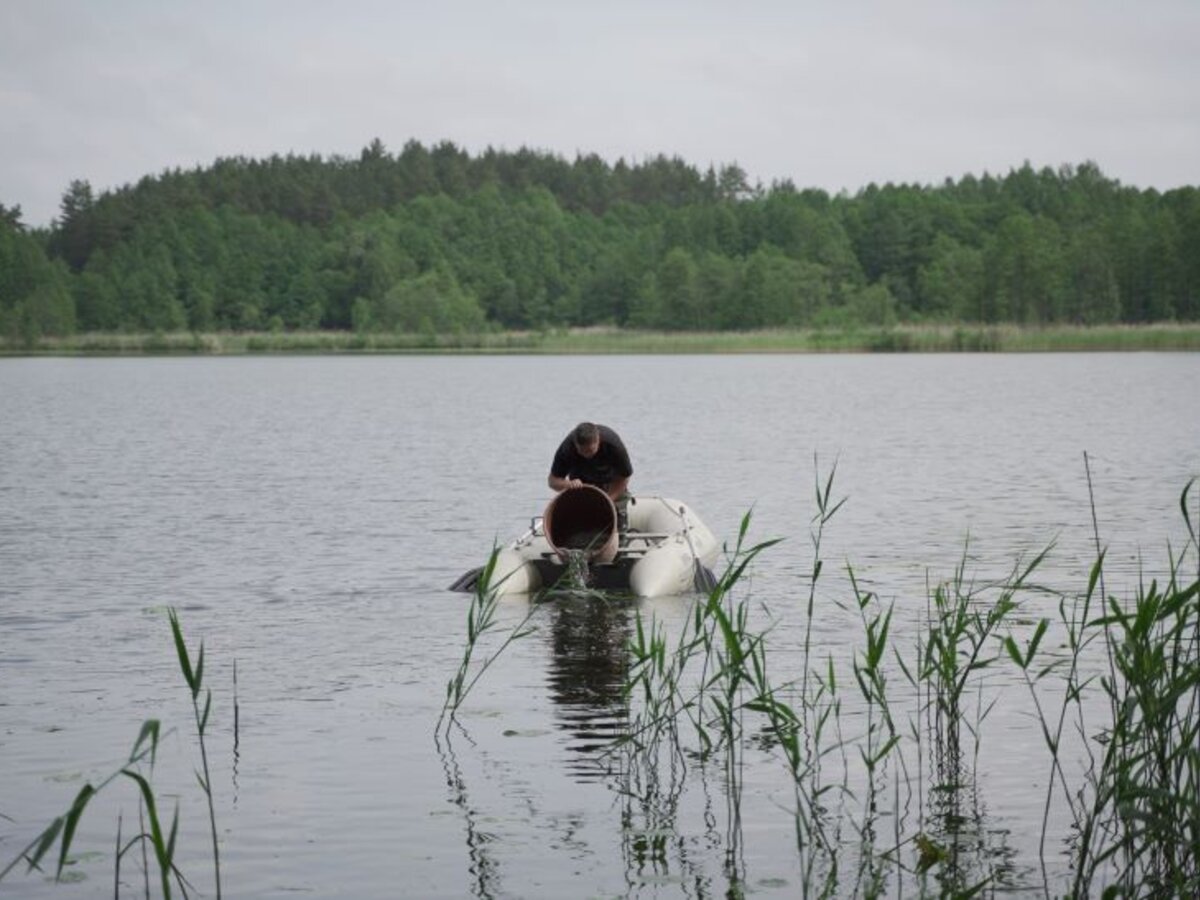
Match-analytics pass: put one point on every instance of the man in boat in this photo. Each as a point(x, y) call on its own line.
point(594, 454)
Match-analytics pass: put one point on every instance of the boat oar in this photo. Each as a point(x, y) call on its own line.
point(467, 581)
point(702, 577)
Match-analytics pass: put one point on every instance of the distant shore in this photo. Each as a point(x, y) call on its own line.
point(897, 339)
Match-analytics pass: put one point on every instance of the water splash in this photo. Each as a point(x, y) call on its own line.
point(577, 574)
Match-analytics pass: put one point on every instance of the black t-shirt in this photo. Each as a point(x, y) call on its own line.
point(610, 462)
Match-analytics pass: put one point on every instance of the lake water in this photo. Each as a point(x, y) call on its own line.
point(306, 515)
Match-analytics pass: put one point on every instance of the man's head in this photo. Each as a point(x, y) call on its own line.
point(586, 438)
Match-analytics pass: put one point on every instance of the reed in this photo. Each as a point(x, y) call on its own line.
point(968, 631)
point(193, 675)
point(1136, 812)
point(481, 621)
point(715, 673)
point(138, 768)
point(716, 640)
point(903, 338)
point(708, 694)
point(706, 678)
point(879, 745)
point(959, 642)
point(62, 830)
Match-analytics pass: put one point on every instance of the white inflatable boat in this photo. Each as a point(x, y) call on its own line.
point(665, 550)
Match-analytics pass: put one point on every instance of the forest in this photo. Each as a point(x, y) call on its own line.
point(435, 240)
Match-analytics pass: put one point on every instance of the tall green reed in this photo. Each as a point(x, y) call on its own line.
point(1136, 810)
point(707, 694)
point(481, 621)
point(879, 746)
point(959, 642)
point(193, 675)
point(716, 672)
point(708, 677)
point(62, 829)
point(138, 768)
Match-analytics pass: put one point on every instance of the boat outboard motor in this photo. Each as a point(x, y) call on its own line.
point(582, 518)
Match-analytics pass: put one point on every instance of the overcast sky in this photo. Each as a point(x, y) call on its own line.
point(829, 94)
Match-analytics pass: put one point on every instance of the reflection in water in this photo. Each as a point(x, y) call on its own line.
point(662, 799)
point(656, 849)
point(974, 852)
point(971, 849)
point(680, 820)
point(483, 868)
point(237, 755)
point(588, 634)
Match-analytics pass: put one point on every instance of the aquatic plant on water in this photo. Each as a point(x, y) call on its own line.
point(703, 697)
point(1122, 738)
point(481, 621)
point(1136, 809)
point(153, 831)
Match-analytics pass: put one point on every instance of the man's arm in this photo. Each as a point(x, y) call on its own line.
point(560, 469)
point(561, 484)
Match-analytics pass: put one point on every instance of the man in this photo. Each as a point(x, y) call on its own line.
point(593, 454)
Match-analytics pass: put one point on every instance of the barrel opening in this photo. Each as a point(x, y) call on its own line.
point(582, 518)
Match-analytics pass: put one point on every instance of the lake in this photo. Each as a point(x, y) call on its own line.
point(305, 516)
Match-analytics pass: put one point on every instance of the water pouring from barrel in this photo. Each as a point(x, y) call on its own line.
point(582, 519)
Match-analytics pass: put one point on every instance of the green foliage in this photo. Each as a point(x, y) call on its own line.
point(1136, 815)
point(138, 768)
point(481, 621)
point(35, 298)
point(193, 675)
point(951, 286)
point(432, 303)
point(533, 241)
point(865, 818)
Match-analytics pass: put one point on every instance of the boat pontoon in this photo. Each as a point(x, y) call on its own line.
point(665, 550)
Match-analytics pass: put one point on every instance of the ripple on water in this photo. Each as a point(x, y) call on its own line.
point(281, 514)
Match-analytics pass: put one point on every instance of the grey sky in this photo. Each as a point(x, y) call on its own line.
point(829, 94)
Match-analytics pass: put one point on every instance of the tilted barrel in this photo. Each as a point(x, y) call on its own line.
point(582, 518)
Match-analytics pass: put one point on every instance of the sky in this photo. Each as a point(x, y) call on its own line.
point(834, 95)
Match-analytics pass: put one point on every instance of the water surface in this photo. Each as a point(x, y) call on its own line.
point(305, 515)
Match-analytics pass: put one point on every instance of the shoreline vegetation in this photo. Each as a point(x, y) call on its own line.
point(610, 340)
point(520, 250)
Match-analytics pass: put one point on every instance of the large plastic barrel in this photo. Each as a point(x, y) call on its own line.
point(582, 518)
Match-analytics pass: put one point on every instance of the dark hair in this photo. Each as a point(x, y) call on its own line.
point(585, 433)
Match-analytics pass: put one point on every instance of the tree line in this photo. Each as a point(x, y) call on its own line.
point(433, 239)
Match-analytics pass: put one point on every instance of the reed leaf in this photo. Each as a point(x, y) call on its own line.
point(1183, 506)
point(161, 850)
point(185, 664)
point(43, 843)
point(86, 793)
point(150, 732)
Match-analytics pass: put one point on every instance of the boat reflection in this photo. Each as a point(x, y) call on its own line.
point(588, 635)
point(589, 664)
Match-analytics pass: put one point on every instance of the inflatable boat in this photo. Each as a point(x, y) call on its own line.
point(666, 549)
